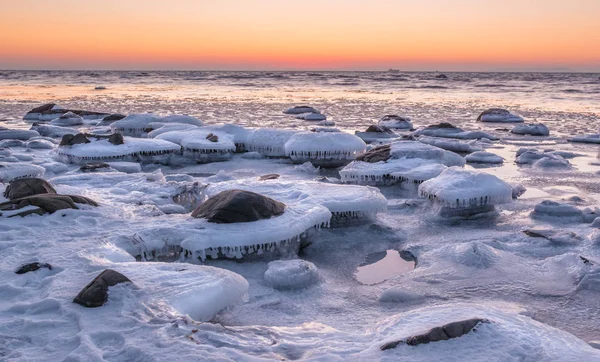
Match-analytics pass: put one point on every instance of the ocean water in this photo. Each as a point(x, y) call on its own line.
point(566, 102)
point(539, 294)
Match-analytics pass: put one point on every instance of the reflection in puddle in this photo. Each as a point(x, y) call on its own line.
point(384, 265)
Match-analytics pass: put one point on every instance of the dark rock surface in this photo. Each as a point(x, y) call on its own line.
point(29, 186)
point(70, 140)
point(444, 125)
point(238, 206)
point(94, 166)
point(445, 332)
point(270, 176)
point(26, 268)
point(95, 294)
point(379, 129)
point(45, 203)
point(116, 139)
point(381, 153)
point(113, 117)
point(492, 111)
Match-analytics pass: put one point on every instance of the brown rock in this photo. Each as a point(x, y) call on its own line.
point(380, 153)
point(95, 294)
point(70, 140)
point(29, 186)
point(270, 176)
point(238, 206)
point(45, 203)
point(116, 139)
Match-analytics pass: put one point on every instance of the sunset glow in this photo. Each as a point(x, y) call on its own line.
point(327, 34)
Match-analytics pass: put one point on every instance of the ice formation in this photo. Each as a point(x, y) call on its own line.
point(181, 119)
point(291, 274)
point(135, 125)
point(459, 190)
point(13, 170)
point(133, 149)
point(499, 115)
point(16, 134)
point(312, 117)
point(419, 174)
point(449, 144)
point(592, 138)
point(484, 157)
point(447, 130)
point(411, 149)
point(376, 133)
point(533, 129)
point(200, 239)
point(548, 208)
point(159, 128)
point(52, 131)
point(300, 110)
point(269, 142)
point(393, 121)
point(543, 159)
point(324, 149)
point(201, 145)
point(67, 120)
point(345, 202)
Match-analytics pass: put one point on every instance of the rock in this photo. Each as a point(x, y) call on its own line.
point(26, 268)
point(498, 115)
point(554, 209)
point(445, 332)
point(233, 206)
point(70, 140)
point(443, 125)
point(94, 166)
point(212, 137)
point(67, 119)
point(300, 110)
point(95, 294)
point(441, 76)
point(29, 186)
point(533, 129)
point(379, 129)
point(557, 237)
point(116, 139)
point(380, 153)
point(113, 117)
point(45, 203)
point(271, 176)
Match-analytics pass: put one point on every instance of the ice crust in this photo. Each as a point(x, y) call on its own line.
point(305, 146)
point(461, 188)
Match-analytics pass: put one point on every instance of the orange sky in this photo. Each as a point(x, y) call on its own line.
point(308, 34)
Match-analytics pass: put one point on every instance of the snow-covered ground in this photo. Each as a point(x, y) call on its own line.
point(539, 294)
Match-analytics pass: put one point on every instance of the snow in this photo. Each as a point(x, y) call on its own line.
point(461, 188)
point(411, 149)
point(533, 129)
point(196, 145)
point(323, 146)
point(484, 157)
point(103, 150)
point(291, 274)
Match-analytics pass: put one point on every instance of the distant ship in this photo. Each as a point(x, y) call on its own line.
point(393, 70)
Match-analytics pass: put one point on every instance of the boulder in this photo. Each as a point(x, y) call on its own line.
point(270, 176)
point(94, 166)
point(233, 206)
point(26, 268)
point(70, 140)
point(95, 294)
point(116, 139)
point(45, 203)
point(29, 186)
point(379, 129)
point(380, 153)
point(445, 332)
point(444, 125)
point(113, 117)
point(212, 137)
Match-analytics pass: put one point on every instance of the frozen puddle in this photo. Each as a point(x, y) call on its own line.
point(381, 266)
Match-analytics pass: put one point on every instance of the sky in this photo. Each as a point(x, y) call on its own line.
point(444, 35)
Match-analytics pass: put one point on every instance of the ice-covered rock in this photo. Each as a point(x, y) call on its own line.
point(201, 145)
point(447, 130)
point(133, 149)
point(15, 170)
point(325, 129)
point(596, 223)
point(269, 142)
point(50, 111)
point(16, 134)
point(484, 157)
point(447, 331)
point(345, 202)
point(326, 123)
point(533, 129)
point(291, 274)
point(420, 174)
point(592, 138)
point(68, 119)
point(375, 133)
point(300, 110)
point(394, 121)
point(52, 131)
point(462, 192)
point(159, 129)
point(40, 144)
point(135, 125)
point(543, 159)
point(324, 149)
point(551, 162)
point(315, 117)
point(111, 118)
point(548, 208)
point(95, 294)
point(449, 144)
point(42, 203)
point(499, 115)
point(181, 119)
